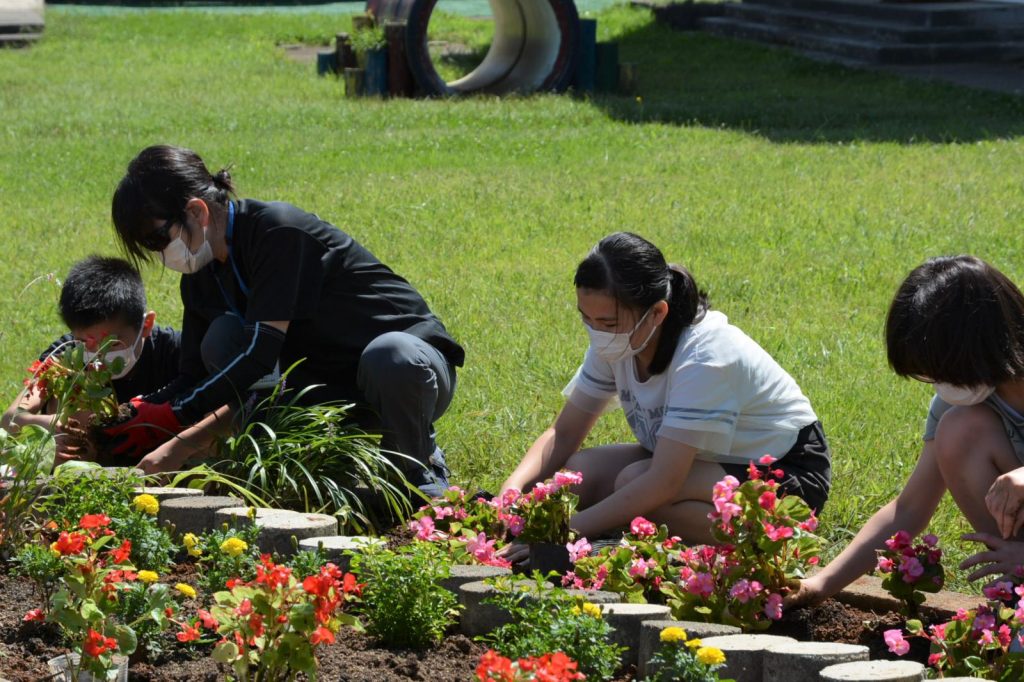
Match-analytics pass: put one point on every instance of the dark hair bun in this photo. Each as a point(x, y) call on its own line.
point(222, 180)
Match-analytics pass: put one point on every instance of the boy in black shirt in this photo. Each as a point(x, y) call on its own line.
point(104, 297)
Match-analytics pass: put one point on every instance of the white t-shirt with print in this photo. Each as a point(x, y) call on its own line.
point(721, 393)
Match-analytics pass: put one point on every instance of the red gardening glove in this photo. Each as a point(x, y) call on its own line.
point(153, 424)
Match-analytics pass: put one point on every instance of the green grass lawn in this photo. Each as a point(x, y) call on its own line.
point(799, 194)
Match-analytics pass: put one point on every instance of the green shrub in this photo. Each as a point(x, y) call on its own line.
point(403, 600)
point(307, 562)
point(24, 457)
point(546, 619)
point(42, 566)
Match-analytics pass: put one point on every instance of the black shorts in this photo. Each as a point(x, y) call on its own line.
point(807, 468)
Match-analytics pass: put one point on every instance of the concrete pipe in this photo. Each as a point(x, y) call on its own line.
point(534, 48)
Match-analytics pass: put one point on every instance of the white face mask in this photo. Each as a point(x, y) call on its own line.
point(963, 395)
point(177, 256)
point(612, 347)
point(128, 355)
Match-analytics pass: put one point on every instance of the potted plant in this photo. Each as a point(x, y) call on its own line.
point(370, 46)
point(545, 512)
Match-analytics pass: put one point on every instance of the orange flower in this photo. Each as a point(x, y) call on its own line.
point(96, 645)
point(321, 635)
point(189, 633)
point(121, 554)
point(69, 543)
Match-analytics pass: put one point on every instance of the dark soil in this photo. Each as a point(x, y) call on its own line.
point(356, 657)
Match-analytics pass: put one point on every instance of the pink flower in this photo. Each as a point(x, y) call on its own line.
point(767, 501)
point(541, 491)
point(938, 631)
point(481, 548)
point(600, 577)
point(1004, 635)
point(775, 534)
point(460, 514)
point(34, 615)
point(810, 525)
point(773, 607)
point(1001, 591)
point(744, 590)
point(509, 497)
point(701, 584)
point(885, 564)
point(566, 478)
point(424, 528)
point(935, 659)
point(930, 540)
point(895, 641)
point(961, 614)
point(765, 460)
point(899, 541)
point(911, 569)
point(642, 528)
point(442, 512)
point(986, 637)
point(578, 549)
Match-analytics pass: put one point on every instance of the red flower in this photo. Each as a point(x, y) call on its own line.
point(231, 582)
point(189, 633)
point(69, 543)
point(321, 635)
point(256, 625)
point(245, 608)
point(494, 666)
point(34, 614)
point(96, 645)
point(94, 521)
point(121, 554)
point(209, 622)
point(350, 586)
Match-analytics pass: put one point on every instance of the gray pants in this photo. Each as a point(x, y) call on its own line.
point(407, 383)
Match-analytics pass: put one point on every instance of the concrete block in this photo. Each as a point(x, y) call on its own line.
point(162, 494)
point(650, 638)
point(194, 514)
point(744, 654)
point(874, 671)
point(804, 661)
point(479, 618)
point(336, 546)
point(626, 621)
point(460, 575)
point(278, 527)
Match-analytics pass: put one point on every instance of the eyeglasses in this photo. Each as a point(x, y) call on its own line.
point(158, 238)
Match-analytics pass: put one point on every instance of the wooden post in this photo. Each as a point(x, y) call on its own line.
point(375, 78)
point(346, 56)
point(400, 80)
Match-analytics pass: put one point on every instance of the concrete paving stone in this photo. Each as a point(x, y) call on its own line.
point(479, 618)
point(161, 494)
point(280, 529)
point(194, 514)
point(867, 593)
point(627, 620)
point(804, 661)
point(650, 638)
point(874, 671)
point(336, 546)
point(744, 654)
point(460, 575)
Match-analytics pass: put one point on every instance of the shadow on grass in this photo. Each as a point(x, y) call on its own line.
point(698, 79)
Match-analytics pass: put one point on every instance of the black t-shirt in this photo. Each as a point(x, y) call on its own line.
point(156, 367)
point(335, 294)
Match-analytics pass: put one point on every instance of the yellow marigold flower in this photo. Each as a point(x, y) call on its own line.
point(148, 576)
point(576, 611)
point(147, 504)
point(694, 644)
point(709, 655)
point(191, 543)
point(672, 635)
point(592, 610)
point(186, 590)
point(233, 546)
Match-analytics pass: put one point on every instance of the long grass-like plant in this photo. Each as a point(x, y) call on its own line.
point(25, 458)
point(309, 458)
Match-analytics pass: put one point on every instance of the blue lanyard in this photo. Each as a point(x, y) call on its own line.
point(231, 251)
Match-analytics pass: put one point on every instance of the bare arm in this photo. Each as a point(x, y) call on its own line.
point(195, 441)
point(550, 451)
point(28, 408)
point(910, 511)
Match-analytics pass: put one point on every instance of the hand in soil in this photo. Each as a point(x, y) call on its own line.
point(1005, 501)
point(802, 593)
point(73, 442)
point(514, 553)
point(1003, 559)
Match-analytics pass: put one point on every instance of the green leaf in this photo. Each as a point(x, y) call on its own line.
point(126, 639)
point(225, 652)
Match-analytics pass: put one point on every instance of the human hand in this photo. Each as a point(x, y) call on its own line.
point(1005, 501)
point(166, 457)
point(150, 425)
point(1003, 558)
point(515, 553)
point(72, 440)
point(806, 592)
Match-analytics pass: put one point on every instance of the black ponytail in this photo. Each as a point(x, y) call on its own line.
point(634, 272)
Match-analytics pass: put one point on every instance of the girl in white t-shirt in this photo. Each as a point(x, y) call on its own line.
point(701, 397)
